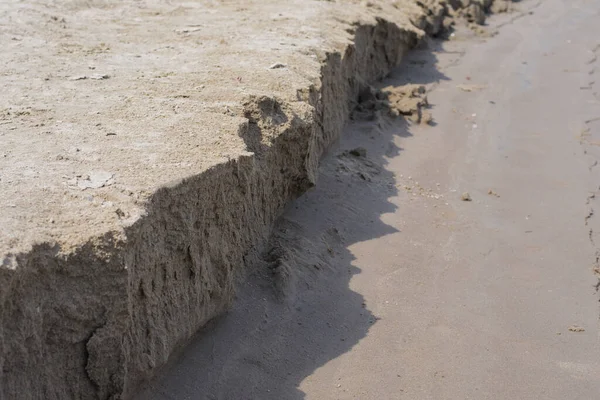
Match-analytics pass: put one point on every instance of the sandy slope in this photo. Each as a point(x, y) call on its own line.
point(392, 287)
point(147, 147)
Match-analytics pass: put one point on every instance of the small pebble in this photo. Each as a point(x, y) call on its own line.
point(576, 328)
point(99, 77)
point(277, 65)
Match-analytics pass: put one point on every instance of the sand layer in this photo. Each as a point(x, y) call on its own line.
point(147, 147)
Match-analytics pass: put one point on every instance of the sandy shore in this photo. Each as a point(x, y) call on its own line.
point(147, 150)
point(383, 283)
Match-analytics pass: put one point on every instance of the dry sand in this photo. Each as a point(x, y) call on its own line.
point(147, 149)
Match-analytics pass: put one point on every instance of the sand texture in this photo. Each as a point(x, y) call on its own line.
point(146, 147)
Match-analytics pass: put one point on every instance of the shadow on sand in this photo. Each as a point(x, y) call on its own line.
point(296, 312)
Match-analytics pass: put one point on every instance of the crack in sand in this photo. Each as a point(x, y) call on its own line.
point(584, 136)
point(520, 15)
point(590, 215)
point(585, 141)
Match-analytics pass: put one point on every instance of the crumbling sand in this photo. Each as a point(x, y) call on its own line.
point(408, 100)
point(146, 148)
point(418, 294)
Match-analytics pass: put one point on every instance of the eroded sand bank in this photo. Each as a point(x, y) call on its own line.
point(146, 149)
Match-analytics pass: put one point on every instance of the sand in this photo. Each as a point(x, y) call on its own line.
point(147, 150)
point(381, 283)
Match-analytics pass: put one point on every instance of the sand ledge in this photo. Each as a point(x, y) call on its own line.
point(94, 316)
